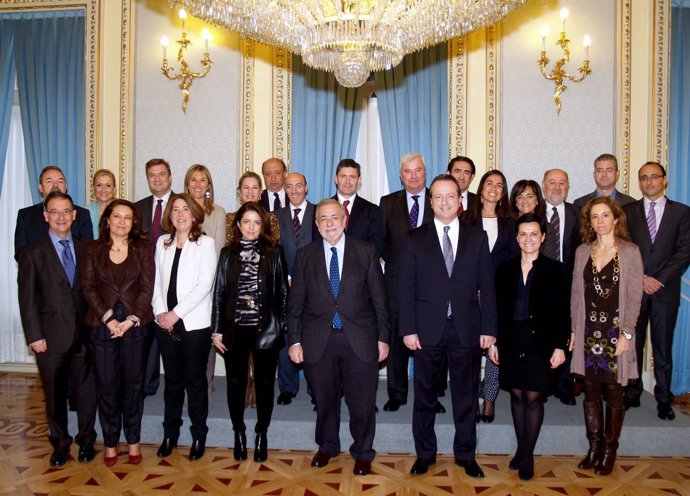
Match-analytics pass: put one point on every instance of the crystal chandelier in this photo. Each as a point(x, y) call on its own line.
point(350, 38)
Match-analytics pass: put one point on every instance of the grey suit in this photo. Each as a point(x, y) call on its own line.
point(345, 360)
point(665, 259)
point(621, 198)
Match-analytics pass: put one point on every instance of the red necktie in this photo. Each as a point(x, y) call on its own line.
point(346, 203)
point(156, 224)
point(460, 208)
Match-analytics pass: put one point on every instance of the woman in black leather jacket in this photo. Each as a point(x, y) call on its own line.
point(249, 316)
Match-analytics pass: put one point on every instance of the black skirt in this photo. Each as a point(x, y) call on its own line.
point(521, 367)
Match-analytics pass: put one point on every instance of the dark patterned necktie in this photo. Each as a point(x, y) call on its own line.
point(296, 223)
point(552, 246)
point(414, 212)
point(67, 260)
point(334, 277)
point(276, 202)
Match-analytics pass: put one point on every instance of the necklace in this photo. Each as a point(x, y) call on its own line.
point(604, 293)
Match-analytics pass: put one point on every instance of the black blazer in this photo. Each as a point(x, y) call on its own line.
point(425, 289)
point(31, 225)
point(273, 290)
point(308, 233)
point(621, 198)
point(549, 304)
point(365, 222)
point(470, 201)
point(395, 222)
point(264, 200)
point(50, 308)
point(506, 246)
point(361, 302)
point(667, 258)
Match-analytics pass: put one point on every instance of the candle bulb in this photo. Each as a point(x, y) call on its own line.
point(544, 33)
point(587, 42)
point(206, 36)
point(164, 44)
point(564, 16)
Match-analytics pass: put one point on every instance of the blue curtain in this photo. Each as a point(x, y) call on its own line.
point(679, 174)
point(325, 126)
point(413, 108)
point(49, 54)
point(7, 73)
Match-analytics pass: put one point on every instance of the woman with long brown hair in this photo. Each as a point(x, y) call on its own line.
point(605, 303)
point(249, 317)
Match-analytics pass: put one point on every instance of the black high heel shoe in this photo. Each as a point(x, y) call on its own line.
point(260, 447)
point(240, 451)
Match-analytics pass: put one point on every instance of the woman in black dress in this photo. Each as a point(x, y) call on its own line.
point(533, 332)
point(249, 316)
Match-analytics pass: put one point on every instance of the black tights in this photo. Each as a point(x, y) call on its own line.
point(614, 393)
point(527, 408)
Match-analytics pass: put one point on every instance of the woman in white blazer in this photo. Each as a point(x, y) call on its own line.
point(182, 298)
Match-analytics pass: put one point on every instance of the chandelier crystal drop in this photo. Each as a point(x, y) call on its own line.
point(350, 38)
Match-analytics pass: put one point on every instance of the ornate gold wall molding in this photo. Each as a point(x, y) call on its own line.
point(90, 70)
point(624, 84)
point(457, 119)
point(661, 81)
point(493, 36)
point(282, 103)
point(124, 171)
point(247, 128)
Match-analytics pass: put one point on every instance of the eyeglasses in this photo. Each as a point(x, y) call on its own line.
point(608, 170)
point(653, 177)
point(57, 213)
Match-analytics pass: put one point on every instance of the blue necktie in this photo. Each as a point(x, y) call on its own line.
point(67, 260)
point(335, 285)
point(414, 212)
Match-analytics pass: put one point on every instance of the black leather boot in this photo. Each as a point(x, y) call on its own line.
point(240, 451)
point(261, 447)
point(166, 447)
point(197, 449)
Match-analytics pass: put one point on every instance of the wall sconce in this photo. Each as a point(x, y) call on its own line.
point(185, 75)
point(559, 74)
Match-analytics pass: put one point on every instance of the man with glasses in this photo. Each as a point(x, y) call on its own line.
point(605, 176)
point(661, 229)
point(30, 222)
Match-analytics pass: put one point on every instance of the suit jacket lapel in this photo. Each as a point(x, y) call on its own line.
point(462, 247)
point(325, 282)
point(666, 219)
point(53, 258)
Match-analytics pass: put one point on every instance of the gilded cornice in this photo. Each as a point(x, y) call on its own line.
point(661, 81)
point(90, 71)
point(282, 103)
point(125, 151)
point(247, 139)
point(457, 61)
point(624, 90)
point(493, 35)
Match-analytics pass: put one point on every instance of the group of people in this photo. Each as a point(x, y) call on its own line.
point(545, 289)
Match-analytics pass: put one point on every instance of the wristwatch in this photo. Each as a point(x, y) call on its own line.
point(626, 335)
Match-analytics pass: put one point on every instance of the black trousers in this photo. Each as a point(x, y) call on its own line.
point(463, 364)
point(340, 372)
point(120, 365)
point(396, 368)
point(662, 319)
point(56, 370)
point(236, 364)
point(185, 364)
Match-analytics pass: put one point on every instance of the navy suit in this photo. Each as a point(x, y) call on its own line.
point(423, 295)
point(665, 259)
point(31, 225)
point(365, 222)
point(288, 371)
point(344, 360)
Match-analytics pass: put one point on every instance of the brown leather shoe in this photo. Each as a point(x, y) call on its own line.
point(362, 467)
point(321, 459)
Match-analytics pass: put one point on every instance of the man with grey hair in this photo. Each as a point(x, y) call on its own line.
point(605, 177)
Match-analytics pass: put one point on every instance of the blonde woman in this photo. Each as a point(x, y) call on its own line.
point(104, 192)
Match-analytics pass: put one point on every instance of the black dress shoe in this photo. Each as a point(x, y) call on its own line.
point(526, 473)
point(514, 463)
point(260, 447)
point(440, 408)
point(86, 453)
point(362, 467)
point(421, 465)
point(197, 450)
point(567, 399)
point(632, 403)
point(393, 405)
point(166, 447)
point(59, 457)
point(471, 467)
point(285, 398)
point(321, 459)
point(487, 419)
point(665, 412)
point(240, 449)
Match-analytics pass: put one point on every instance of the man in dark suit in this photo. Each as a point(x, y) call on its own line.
point(273, 197)
point(31, 224)
point(562, 239)
point(151, 208)
point(401, 211)
point(297, 223)
point(605, 177)
point(661, 229)
point(338, 326)
point(362, 218)
point(463, 170)
point(52, 310)
point(447, 308)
